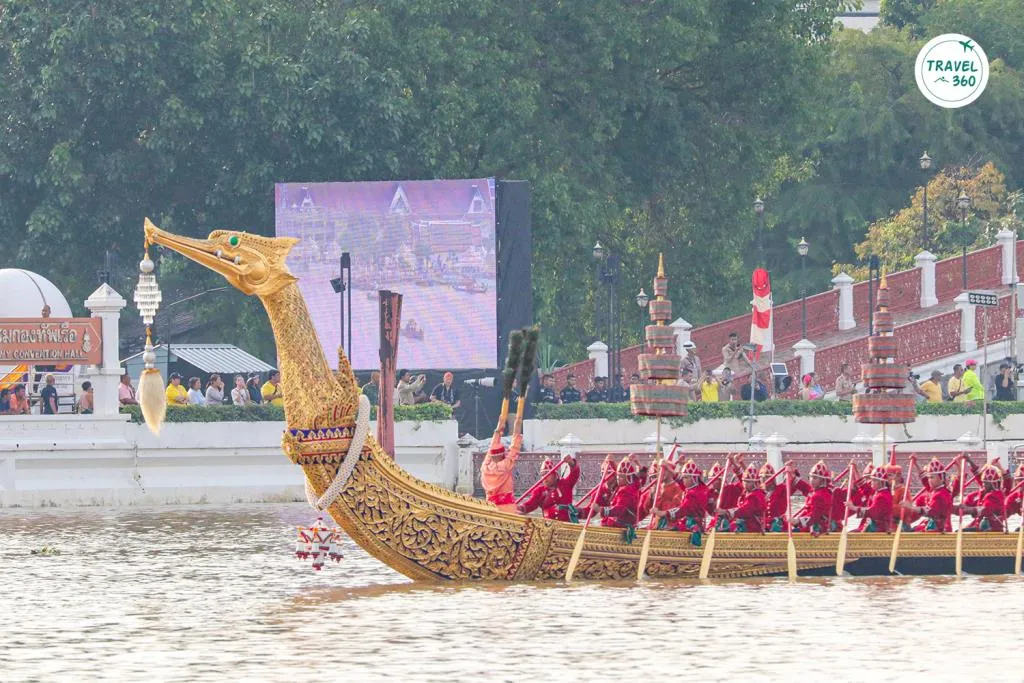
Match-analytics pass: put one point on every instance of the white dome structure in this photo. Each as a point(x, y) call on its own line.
point(25, 293)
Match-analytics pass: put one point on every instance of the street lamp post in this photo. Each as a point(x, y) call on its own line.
point(641, 301)
point(341, 285)
point(759, 210)
point(926, 163)
point(802, 249)
point(964, 202)
point(608, 274)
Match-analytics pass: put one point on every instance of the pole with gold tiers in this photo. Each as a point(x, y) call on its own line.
point(883, 401)
point(663, 397)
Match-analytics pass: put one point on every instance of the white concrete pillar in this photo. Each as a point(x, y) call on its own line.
point(804, 350)
point(1001, 450)
point(682, 330)
point(968, 338)
point(1007, 239)
point(569, 444)
point(773, 446)
point(651, 441)
point(106, 304)
point(926, 262)
point(464, 478)
point(844, 283)
point(598, 352)
point(880, 446)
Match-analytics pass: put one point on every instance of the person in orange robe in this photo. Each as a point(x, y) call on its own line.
point(990, 506)
point(877, 516)
point(938, 507)
point(496, 472)
point(748, 515)
point(668, 495)
point(813, 516)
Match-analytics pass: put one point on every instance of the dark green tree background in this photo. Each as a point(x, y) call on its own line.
point(649, 126)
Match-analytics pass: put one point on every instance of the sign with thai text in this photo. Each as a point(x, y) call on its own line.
point(50, 341)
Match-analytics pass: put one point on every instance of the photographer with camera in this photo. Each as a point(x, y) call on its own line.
point(1005, 385)
point(911, 387)
point(932, 387)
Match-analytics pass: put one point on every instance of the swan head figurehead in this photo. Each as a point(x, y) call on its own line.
point(253, 264)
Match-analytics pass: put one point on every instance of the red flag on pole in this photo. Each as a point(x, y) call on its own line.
point(761, 315)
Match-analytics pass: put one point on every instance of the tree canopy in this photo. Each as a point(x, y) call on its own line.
point(650, 126)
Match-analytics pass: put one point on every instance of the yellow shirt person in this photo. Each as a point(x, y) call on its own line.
point(271, 390)
point(933, 387)
point(176, 394)
point(709, 389)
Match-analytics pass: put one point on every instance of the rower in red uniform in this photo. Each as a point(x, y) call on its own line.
point(748, 516)
point(878, 515)
point(554, 495)
point(920, 501)
point(971, 498)
point(731, 494)
point(838, 513)
point(689, 514)
point(813, 516)
point(1014, 499)
point(898, 487)
point(605, 494)
point(988, 511)
point(775, 496)
point(620, 511)
point(939, 505)
point(863, 491)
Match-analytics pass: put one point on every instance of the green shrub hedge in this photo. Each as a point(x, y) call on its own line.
point(738, 409)
point(425, 412)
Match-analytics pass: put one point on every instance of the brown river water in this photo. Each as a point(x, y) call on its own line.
point(214, 593)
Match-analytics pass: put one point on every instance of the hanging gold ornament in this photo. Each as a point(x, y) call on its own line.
point(152, 398)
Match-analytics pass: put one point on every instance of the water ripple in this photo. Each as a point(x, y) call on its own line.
point(209, 593)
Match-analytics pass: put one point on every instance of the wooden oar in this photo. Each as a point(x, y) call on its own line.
point(641, 567)
point(790, 547)
point(578, 550)
point(709, 549)
point(903, 511)
point(960, 525)
point(841, 552)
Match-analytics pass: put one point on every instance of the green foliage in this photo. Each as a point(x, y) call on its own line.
point(900, 237)
point(646, 125)
point(698, 411)
point(649, 126)
point(265, 412)
point(906, 14)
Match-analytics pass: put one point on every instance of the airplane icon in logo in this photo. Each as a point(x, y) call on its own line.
point(966, 45)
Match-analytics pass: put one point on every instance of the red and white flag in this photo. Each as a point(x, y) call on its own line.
point(761, 315)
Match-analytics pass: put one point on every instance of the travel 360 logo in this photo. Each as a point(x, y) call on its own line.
point(951, 70)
